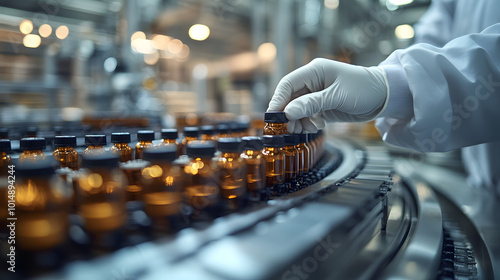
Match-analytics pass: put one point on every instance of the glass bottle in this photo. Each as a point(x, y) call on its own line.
point(222, 130)
point(101, 194)
point(305, 152)
point(120, 146)
point(42, 206)
point(133, 170)
point(65, 153)
point(32, 149)
point(4, 133)
point(145, 138)
point(256, 167)
point(95, 144)
point(232, 171)
point(162, 184)
point(275, 123)
point(310, 146)
point(169, 136)
point(275, 162)
point(191, 133)
point(202, 190)
point(208, 133)
point(291, 160)
point(4, 157)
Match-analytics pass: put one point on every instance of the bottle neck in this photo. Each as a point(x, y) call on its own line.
point(32, 152)
point(65, 149)
point(276, 125)
point(290, 148)
point(145, 142)
point(252, 153)
point(169, 141)
point(94, 147)
point(231, 155)
point(191, 138)
point(121, 145)
point(272, 149)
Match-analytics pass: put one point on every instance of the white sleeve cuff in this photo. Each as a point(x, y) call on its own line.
point(399, 104)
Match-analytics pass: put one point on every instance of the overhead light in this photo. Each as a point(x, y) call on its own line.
point(32, 41)
point(160, 42)
point(143, 46)
point(62, 32)
point(267, 52)
point(184, 52)
point(45, 30)
point(175, 46)
point(26, 26)
point(332, 4)
point(404, 31)
point(400, 2)
point(199, 32)
point(137, 35)
point(110, 64)
point(152, 59)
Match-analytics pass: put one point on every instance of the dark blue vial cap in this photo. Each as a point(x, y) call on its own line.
point(169, 133)
point(120, 137)
point(252, 143)
point(30, 144)
point(191, 131)
point(275, 117)
point(162, 153)
point(98, 160)
point(291, 139)
point(200, 149)
point(4, 145)
point(276, 141)
point(145, 135)
point(95, 140)
point(230, 145)
point(65, 141)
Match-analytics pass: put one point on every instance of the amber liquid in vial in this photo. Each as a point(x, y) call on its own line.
point(65, 154)
point(275, 160)
point(32, 149)
point(256, 166)
point(275, 123)
point(120, 146)
point(232, 170)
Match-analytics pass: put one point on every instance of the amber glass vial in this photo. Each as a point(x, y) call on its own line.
point(169, 136)
point(312, 149)
point(32, 149)
point(191, 133)
point(256, 166)
point(95, 144)
point(291, 157)
point(5, 159)
point(65, 153)
point(120, 146)
point(208, 133)
point(133, 170)
point(222, 130)
point(162, 183)
point(42, 206)
point(101, 193)
point(275, 123)
point(233, 171)
point(275, 160)
point(202, 174)
point(304, 150)
point(145, 139)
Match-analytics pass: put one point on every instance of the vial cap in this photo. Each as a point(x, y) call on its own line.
point(4, 133)
point(207, 129)
point(222, 128)
point(95, 140)
point(276, 141)
point(38, 168)
point(302, 138)
point(275, 117)
point(120, 137)
point(162, 153)
point(169, 133)
point(4, 145)
point(200, 149)
point(191, 131)
point(145, 135)
point(29, 144)
point(233, 127)
point(230, 145)
point(243, 126)
point(253, 143)
point(291, 139)
point(31, 132)
point(65, 141)
point(104, 160)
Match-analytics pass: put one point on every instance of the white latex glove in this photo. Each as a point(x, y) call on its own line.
point(328, 90)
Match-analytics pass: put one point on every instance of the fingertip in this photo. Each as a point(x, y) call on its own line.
point(298, 127)
point(290, 126)
point(308, 126)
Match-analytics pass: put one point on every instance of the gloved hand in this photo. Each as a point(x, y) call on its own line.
point(328, 90)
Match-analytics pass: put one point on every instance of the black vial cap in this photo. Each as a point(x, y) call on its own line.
point(207, 129)
point(145, 135)
point(169, 133)
point(30, 144)
point(39, 168)
point(162, 153)
point(95, 140)
point(222, 128)
point(233, 127)
point(120, 137)
point(191, 131)
point(4, 145)
point(65, 141)
point(276, 141)
point(291, 139)
point(252, 143)
point(104, 160)
point(31, 132)
point(4, 133)
point(243, 126)
point(200, 149)
point(275, 117)
point(230, 145)
point(302, 138)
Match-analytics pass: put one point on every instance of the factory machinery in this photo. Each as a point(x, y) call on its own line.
point(371, 216)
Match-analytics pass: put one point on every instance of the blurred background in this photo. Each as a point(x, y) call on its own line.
point(151, 61)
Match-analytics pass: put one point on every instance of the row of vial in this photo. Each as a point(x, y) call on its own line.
point(248, 167)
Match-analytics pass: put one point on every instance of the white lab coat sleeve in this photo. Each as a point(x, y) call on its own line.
point(434, 27)
point(442, 99)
